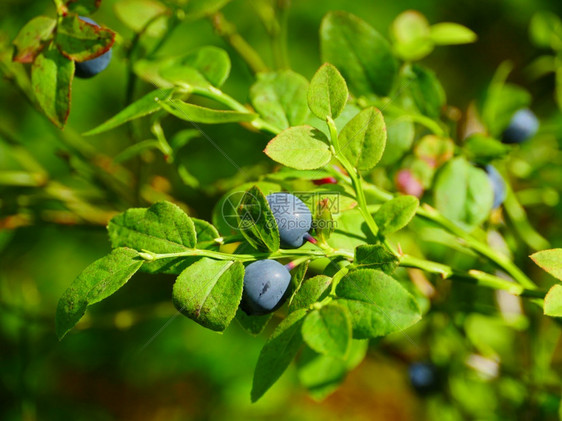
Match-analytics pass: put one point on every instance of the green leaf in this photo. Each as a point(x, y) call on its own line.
point(136, 14)
point(198, 114)
point(300, 147)
point(81, 41)
point(448, 33)
point(253, 324)
point(378, 304)
point(277, 353)
point(396, 214)
point(204, 67)
point(435, 150)
point(375, 256)
point(322, 374)
point(327, 94)
point(148, 104)
point(280, 98)
point(553, 301)
point(484, 149)
point(31, 39)
point(363, 139)
point(311, 290)
point(545, 30)
point(361, 54)
point(83, 7)
point(463, 193)
point(410, 31)
point(502, 102)
point(550, 261)
point(328, 330)
point(97, 282)
point(204, 230)
point(51, 80)
point(161, 228)
point(400, 137)
point(209, 292)
point(323, 221)
point(196, 9)
point(257, 222)
point(427, 92)
point(297, 278)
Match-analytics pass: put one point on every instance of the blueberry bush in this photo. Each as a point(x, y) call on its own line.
point(378, 216)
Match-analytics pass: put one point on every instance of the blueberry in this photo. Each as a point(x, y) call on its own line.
point(265, 285)
point(498, 185)
point(523, 125)
point(423, 377)
point(90, 68)
point(293, 218)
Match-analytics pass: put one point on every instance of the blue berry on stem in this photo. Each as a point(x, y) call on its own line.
point(498, 185)
point(265, 285)
point(293, 218)
point(523, 125)
point(90, 68)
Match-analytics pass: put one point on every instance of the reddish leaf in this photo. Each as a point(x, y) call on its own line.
point(81, 41)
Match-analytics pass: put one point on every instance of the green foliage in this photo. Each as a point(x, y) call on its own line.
point(550, 261)
point(328, 93)
point(378, 304)
point(257, 222)
point(553, 301)
point(310, 291)
point(32, 38)
point(327, 330)
point(375, 256)
point(209, 292)
point(198, 114)
point(361, 54)
point(396, 214)
point(81, 41)
point(363, 139)
point(300, 147)
point(97, 282)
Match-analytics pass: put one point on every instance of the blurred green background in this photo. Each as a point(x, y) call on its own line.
point(131, 357)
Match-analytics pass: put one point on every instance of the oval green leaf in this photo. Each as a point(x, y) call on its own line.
point(327, 94)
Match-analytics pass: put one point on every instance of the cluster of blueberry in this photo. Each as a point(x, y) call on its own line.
point(266, 282)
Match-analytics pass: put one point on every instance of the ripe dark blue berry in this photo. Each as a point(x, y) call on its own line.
point(498, 186)
point(265, 285)
point(293, 218)
point(90, 68)
point(523, 125)
point(423, 377)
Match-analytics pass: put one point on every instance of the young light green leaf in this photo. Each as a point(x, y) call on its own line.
point(553, 301)
point(463, 193)
point(280, 98)
point(81, 41)
point(375, 256)
point(161, 228)
point(253, 324)
point(277, 353)
point(328, 330)
point(256, 221)
point(545, 30)
point(378, 304)
point(198, 114)
point(97, 282)
point(327, 94)
point(209, 292)
point(51, 79)
point(310, 291)
point(148, 104)
point(449, 33)
point(362, 55)
point(300, 147)
point(550, 261)
point(396, 214)
point(322, 374)
point(363, 139)
point(136, 14)
point(196, 9)
point(297, 278)
point(410, 31)
point(32, 38)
